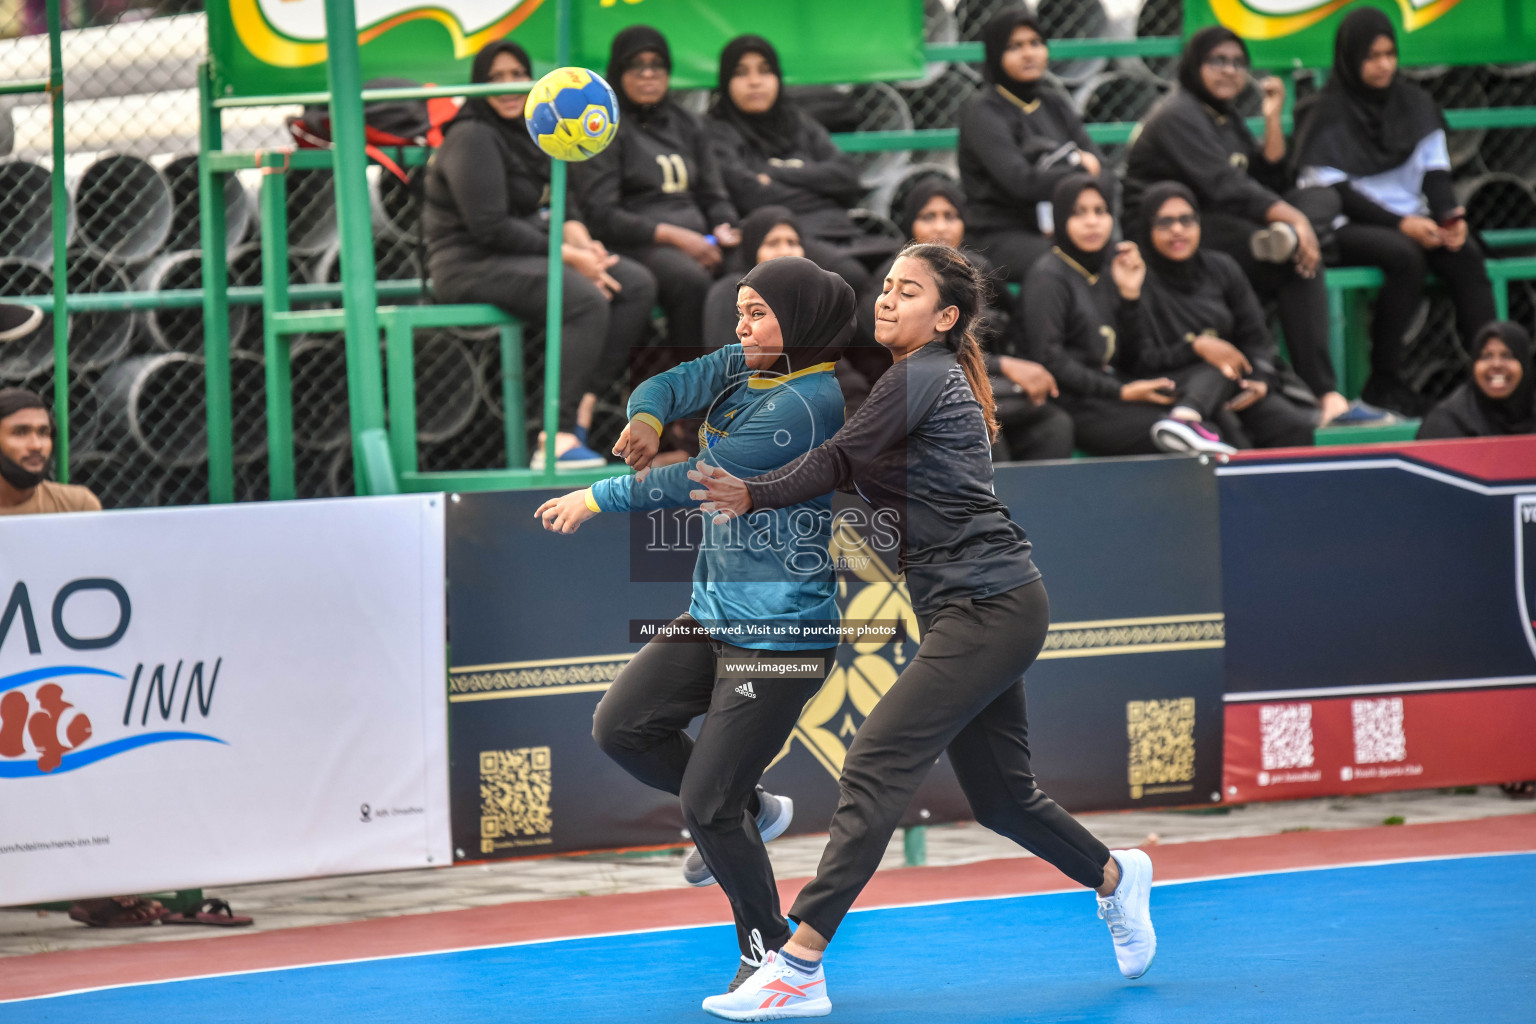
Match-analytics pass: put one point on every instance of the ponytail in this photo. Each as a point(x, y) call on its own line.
point(960, 285)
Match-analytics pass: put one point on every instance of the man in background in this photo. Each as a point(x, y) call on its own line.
point(26, 448)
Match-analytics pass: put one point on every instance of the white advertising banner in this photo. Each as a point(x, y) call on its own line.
point(207, 696)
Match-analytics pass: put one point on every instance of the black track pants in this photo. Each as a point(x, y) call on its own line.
point(964, 693)
point(640, 722)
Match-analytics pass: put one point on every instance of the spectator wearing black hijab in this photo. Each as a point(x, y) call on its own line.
point(771, 153)
point(1031, 427)
point(1018, 138)
point(487, 242)
point(1085, 312)
point(1196, 136)
point(1199, 307)
point(1500, 399)
point(1379, 141)
point(655, 193)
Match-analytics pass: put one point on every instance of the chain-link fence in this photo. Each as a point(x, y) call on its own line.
point(138, 430)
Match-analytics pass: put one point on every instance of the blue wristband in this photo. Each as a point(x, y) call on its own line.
point(711, 239)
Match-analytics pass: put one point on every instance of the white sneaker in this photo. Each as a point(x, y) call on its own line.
point(1129, 914)
point(774, 814)
point(775, 991)
point(1171, 435)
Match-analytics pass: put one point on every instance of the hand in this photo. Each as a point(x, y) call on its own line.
point(1129, 271)
point(1274, 97)
point(727, 236)
point(1090, 163)
point(763, 179)
point(592, 266)
point(1253, 391)
point(1158, 391)
point(1422, 230)
point(1309, 254)
point(1454, 236)
point(721, 493)
point(705, 254)
point(1035, 379)
point(1223, 355)
point(637, 444)
point(566, 513)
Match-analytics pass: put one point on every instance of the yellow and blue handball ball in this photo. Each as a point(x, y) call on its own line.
point(572, 114)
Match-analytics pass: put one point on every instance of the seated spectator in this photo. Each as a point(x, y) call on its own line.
point(655, 193)
point(1379, 141)
point(771, 153)
point(1030, 426)
point(1196, 137)
point(1084, 301)
point(487, 243)
point(767, 233)
point(1501, 396)
point(26, 448)
point(1018, 138)
point(1201, 311)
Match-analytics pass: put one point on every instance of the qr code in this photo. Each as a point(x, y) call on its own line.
point(514, 795)
point(1162, 735)
point(1286, 733)
point(1379, 730)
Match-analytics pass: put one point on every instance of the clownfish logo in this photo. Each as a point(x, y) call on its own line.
point(53, 728)
point(1275, 19)
point(596, 123)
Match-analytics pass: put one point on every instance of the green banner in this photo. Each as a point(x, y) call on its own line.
point(1289, 33)
point(265, 47)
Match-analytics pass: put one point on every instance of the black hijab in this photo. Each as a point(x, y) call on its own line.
point(815, 308)
point(12, 401)
point(1063, 202)
point(628, 45)
point(921, 194)
point(1192, 60)
point(511, 133)
point(994, 36)
point(1480, 416)
point(1181, 275)
point(1353, 127)
point(755, 228)
point(772, 133)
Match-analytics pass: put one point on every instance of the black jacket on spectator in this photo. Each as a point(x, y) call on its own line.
point(1079, 325)
point(810, 175)
point(1007, 130)
point(658, 170)
point(1192, 138)
point(1468, 412)
point(1361, 131)
point(1183, 299)
point(486, 183)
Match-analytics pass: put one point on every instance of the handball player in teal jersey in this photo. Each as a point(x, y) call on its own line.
point(759, 582)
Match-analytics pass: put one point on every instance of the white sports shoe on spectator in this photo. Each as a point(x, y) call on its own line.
point(1128, 913)
point(1173, 435)
point(775, 991)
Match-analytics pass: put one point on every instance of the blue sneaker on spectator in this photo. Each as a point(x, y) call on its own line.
point(581, 434)
point(1359, 414)
point(578, 456)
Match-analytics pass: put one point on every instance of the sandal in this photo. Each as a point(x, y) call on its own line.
point(1519, 790)
point(215, 912)
point(118, 912)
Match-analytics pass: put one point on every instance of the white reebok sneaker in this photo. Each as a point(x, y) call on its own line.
point(775, 991)
point(1129, 915)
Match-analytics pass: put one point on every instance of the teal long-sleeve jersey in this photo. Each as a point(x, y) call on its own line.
point(762, 580)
